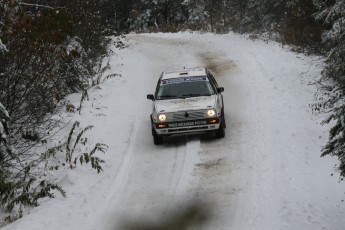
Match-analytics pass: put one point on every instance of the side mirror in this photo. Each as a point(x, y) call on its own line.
point(220, 89)
point(150, 97)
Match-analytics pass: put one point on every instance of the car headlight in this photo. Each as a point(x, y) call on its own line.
point(162, 117)
point(211, 113)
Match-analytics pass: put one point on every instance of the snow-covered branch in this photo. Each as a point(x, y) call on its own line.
point(35, 5)
point(2, 47)
point(4, 117)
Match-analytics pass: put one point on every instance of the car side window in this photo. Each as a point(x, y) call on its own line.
point(214, 83)
point(158, 84)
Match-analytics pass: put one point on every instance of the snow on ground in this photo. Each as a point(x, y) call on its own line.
point(266, 174)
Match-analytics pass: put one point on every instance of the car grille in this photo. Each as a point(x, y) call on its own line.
point(187, 115)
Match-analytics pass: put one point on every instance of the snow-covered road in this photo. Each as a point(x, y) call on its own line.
point(266, 174)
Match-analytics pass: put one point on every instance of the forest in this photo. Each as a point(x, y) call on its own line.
point(49, 49)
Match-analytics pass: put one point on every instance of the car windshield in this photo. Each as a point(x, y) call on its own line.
point(184, 87)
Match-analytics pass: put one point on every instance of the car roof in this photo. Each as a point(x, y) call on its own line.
point(187, 72)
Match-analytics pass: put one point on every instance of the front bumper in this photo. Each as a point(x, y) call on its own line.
point(184, 127)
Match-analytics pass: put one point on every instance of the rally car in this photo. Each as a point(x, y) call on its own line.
point(187, 101)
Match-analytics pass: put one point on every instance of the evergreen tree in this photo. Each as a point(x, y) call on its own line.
point(158, 15)
point(300, 25)
point(197, 15)
point(116, 15)
point(331, 14)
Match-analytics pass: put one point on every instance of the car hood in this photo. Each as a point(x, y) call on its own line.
point(192, 103)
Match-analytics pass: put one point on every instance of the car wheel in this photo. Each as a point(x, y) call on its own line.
point(157, 139)
point(220, 133)
point(223, 117)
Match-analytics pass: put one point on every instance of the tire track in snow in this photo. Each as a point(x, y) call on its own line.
point(117, 188)
point(181, 187)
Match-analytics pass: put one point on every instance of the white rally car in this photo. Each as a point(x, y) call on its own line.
point(187, 101)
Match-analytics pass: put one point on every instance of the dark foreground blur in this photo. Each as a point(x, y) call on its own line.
point(191, 215)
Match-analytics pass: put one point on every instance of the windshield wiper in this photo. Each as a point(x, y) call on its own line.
point(170, 96)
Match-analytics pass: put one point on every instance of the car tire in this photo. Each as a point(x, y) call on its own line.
point(220, 133)
point(157, 139)
point(223, 117)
